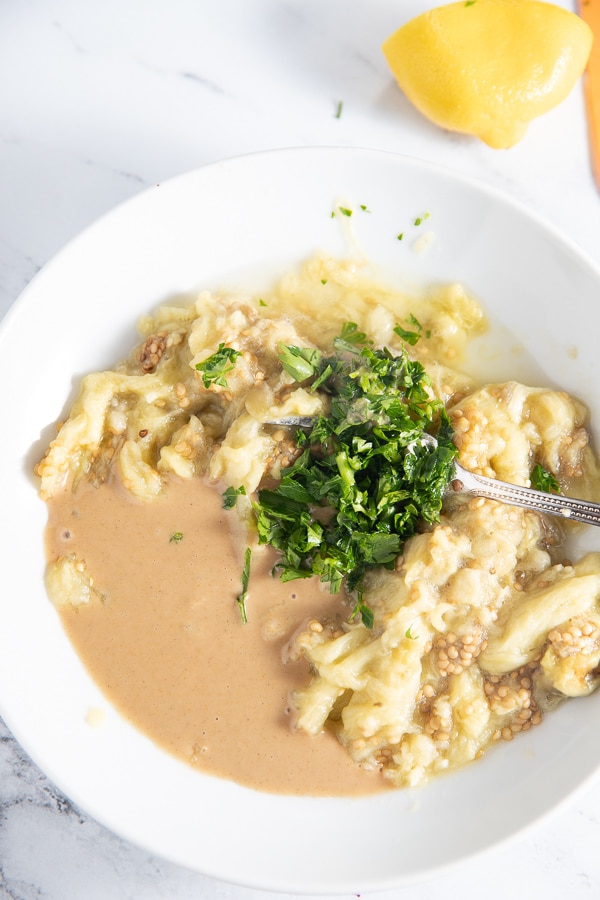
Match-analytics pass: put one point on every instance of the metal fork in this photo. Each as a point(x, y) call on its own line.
point(463, 481)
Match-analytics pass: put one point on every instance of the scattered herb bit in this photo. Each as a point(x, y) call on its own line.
point(365, 612)
point(543, 480)
point(345, 211)
point(241, 599)
point(300, 362)
point(338, 109)
point(176, 537)
point(418, 221)
point(230, 496)
point(363, 480)
point(408, 634)
point(350, 335)
point(261, 302)
point(401, 236)
point(323, 281)
point(216, 367)
point(365, 208)
point(411, 337)
point(428, 333)
point(470, 2)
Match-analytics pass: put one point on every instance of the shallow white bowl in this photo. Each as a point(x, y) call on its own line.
point(237, 224)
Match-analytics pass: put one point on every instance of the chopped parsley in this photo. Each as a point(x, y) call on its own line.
point(345, 211)
point(338, 109)
point(241, 599)
point(216, 367)
point(230, 496)
point(364, 481)
point(363, 610)
point(176, 537)
point(543, 480)
point(411, 337)
point(420, 219)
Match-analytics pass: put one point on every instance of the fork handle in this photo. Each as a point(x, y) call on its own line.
point(539, 501)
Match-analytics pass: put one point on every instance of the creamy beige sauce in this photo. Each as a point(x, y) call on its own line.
point(167, 645)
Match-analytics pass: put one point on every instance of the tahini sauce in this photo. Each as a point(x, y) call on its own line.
point(168, 647)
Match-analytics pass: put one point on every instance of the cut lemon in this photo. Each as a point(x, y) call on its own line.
point(488, 67)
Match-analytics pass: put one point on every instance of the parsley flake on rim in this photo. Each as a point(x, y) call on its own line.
point(364, 480)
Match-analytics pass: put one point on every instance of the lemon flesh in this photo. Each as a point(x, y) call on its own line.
point(488, 67)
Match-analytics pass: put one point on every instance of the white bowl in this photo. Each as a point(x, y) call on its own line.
point(234, 224)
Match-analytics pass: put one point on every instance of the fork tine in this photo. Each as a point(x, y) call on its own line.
point(298, 421)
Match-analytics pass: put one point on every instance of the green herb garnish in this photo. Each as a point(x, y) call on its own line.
point(230, 496)
point(363, 481)
point(176, 537)
point(216, 367)
point(338, 109)
point(411, 337)
point(300, 362)
point(241, 599)
point(543, 480)
point(345, 211)
point(365, 612)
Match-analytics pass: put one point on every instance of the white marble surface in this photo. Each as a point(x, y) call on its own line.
point(99, 100)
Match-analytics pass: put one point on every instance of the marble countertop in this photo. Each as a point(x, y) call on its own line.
point(100, 100)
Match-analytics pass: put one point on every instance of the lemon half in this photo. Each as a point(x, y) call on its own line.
point(488, 67)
